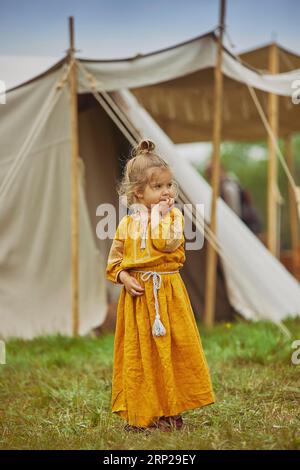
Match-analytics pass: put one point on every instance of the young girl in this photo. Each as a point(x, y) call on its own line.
point(159, 365)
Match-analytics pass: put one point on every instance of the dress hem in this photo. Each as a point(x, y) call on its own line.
point(123, 413)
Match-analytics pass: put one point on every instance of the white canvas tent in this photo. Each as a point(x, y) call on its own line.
point(176, 86)
point(35, 146)
point(35, 219)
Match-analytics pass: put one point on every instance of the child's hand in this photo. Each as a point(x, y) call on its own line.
point(165, 205)
point(131, 284)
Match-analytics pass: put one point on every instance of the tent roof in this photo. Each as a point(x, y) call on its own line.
point(258, 58)
point(176, 86)
point(183, 107)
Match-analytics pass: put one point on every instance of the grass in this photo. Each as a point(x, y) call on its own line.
point(55, 394)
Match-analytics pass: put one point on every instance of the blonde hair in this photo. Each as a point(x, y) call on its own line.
point(135, 174)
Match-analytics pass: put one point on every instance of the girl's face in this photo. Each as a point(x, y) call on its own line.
point(156, 190)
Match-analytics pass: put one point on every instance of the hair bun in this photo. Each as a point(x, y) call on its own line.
point(144, 146)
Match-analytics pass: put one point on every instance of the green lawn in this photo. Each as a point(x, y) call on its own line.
point(55, 394)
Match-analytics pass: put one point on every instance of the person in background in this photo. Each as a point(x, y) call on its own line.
point(237, 198)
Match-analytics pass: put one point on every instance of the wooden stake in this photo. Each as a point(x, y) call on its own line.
point(211, 261)
point(272, 163)
point(74, 186)
point(293, 214)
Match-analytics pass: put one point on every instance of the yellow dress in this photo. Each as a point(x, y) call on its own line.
point(155, 376)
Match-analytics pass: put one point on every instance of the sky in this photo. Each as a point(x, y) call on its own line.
point(118, 29)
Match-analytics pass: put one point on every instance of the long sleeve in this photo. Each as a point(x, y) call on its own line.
point(115, 256)
point(168, 235)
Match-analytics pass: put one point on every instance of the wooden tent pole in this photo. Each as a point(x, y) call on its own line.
point(211, 261)
point(293, 214)
point(74, 185)
point(272, 162)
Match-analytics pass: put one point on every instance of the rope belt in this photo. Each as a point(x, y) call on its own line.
point(158, 328)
